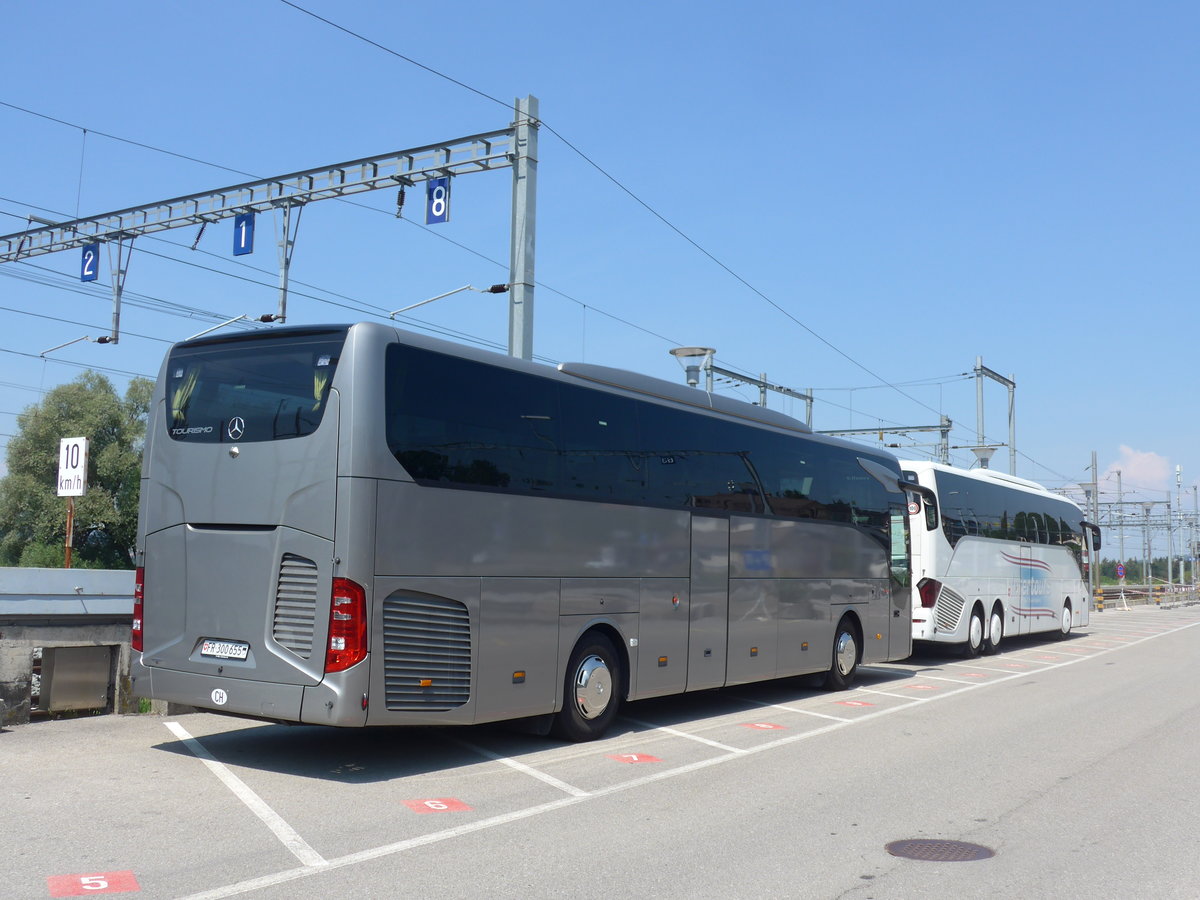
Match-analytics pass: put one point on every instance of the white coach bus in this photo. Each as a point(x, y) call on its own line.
point(355, 525)
point(995, 555)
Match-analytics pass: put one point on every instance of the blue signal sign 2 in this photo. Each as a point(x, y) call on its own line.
point(89, 265)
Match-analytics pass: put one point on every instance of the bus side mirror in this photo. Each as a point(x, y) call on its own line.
point(897, 485)
point(1094, 530)
point(931, 513)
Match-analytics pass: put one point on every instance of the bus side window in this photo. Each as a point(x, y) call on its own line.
point(953, 524)
point(599, 446)
point(970, 522)
point(1021, 527)
point(1052, 533)
point(1037, 530)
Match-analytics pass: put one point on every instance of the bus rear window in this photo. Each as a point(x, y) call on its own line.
point(246, 390)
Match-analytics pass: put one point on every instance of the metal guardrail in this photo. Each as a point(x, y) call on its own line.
point(1116, 597)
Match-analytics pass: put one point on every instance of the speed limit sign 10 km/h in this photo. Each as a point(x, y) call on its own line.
point(72, 467)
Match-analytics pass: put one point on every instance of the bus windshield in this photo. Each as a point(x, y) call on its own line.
point(246, 390)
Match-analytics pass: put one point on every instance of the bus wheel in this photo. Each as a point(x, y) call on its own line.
point(974, 642)
point(844, 665)
point(591, 690)
point(1064, 624)
point(995, 631)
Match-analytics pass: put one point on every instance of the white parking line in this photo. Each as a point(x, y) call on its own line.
point(684, 734)
point(281, 829)
point(910, 699)
point(362, 856)
point(806, 712)
point(921, 676)
point(521, 767)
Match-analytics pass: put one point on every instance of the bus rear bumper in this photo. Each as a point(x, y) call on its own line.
point(923, 630)
point(258, 699)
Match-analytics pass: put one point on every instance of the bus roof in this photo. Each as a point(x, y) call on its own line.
point(678, 393)
point(989, 475)
point(604, 377)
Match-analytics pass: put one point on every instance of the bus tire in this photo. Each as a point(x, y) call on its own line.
point(995, 630)
point(591, 690)
point(974, 645)
point(843, 666)
point(1064, 622)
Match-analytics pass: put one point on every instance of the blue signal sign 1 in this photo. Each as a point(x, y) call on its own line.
point(243, 234)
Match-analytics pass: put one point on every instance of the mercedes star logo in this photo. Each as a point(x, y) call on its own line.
point(236, 428)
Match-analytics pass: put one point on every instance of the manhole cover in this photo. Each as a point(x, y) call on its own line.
point(939, 851)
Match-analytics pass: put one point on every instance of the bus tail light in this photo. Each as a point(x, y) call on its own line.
point(139, 597)
point(347, 626)
point(929, 589)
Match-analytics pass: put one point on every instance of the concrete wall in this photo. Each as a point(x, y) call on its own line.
point(62, 608)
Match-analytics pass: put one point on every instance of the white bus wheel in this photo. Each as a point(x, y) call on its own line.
point(995, 631)
point(1064, 623)
point(974, 644)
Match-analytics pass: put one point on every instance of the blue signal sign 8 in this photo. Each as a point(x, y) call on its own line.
point(437, 201)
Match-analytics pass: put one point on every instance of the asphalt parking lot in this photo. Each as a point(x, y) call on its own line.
point(209, 806)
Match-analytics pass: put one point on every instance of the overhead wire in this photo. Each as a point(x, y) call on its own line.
point(626, 190)
point(363, 307)
point(124, 332)
point(77, 365)
point(53, 279)
point(346, 200)
point(883, 382)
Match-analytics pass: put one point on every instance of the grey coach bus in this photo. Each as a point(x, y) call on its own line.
point(355, 525)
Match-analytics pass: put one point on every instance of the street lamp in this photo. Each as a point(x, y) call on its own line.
point(693, 359)
point(983, 455)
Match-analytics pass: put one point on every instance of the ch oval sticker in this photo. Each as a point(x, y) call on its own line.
point(219, 697)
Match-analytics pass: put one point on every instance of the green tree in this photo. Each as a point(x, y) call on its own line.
point(33, 516)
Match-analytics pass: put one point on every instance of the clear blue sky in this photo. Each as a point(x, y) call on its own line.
point(913, 185)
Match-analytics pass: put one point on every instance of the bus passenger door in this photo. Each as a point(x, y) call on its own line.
point(708, 626)
point(1025, 592)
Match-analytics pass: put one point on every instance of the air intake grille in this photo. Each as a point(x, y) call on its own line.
point(949, 609)
point(426, 639)
point(295, 604)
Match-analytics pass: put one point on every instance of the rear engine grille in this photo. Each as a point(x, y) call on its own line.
point(949, 609)
point(426, 639)
point(295, 604)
